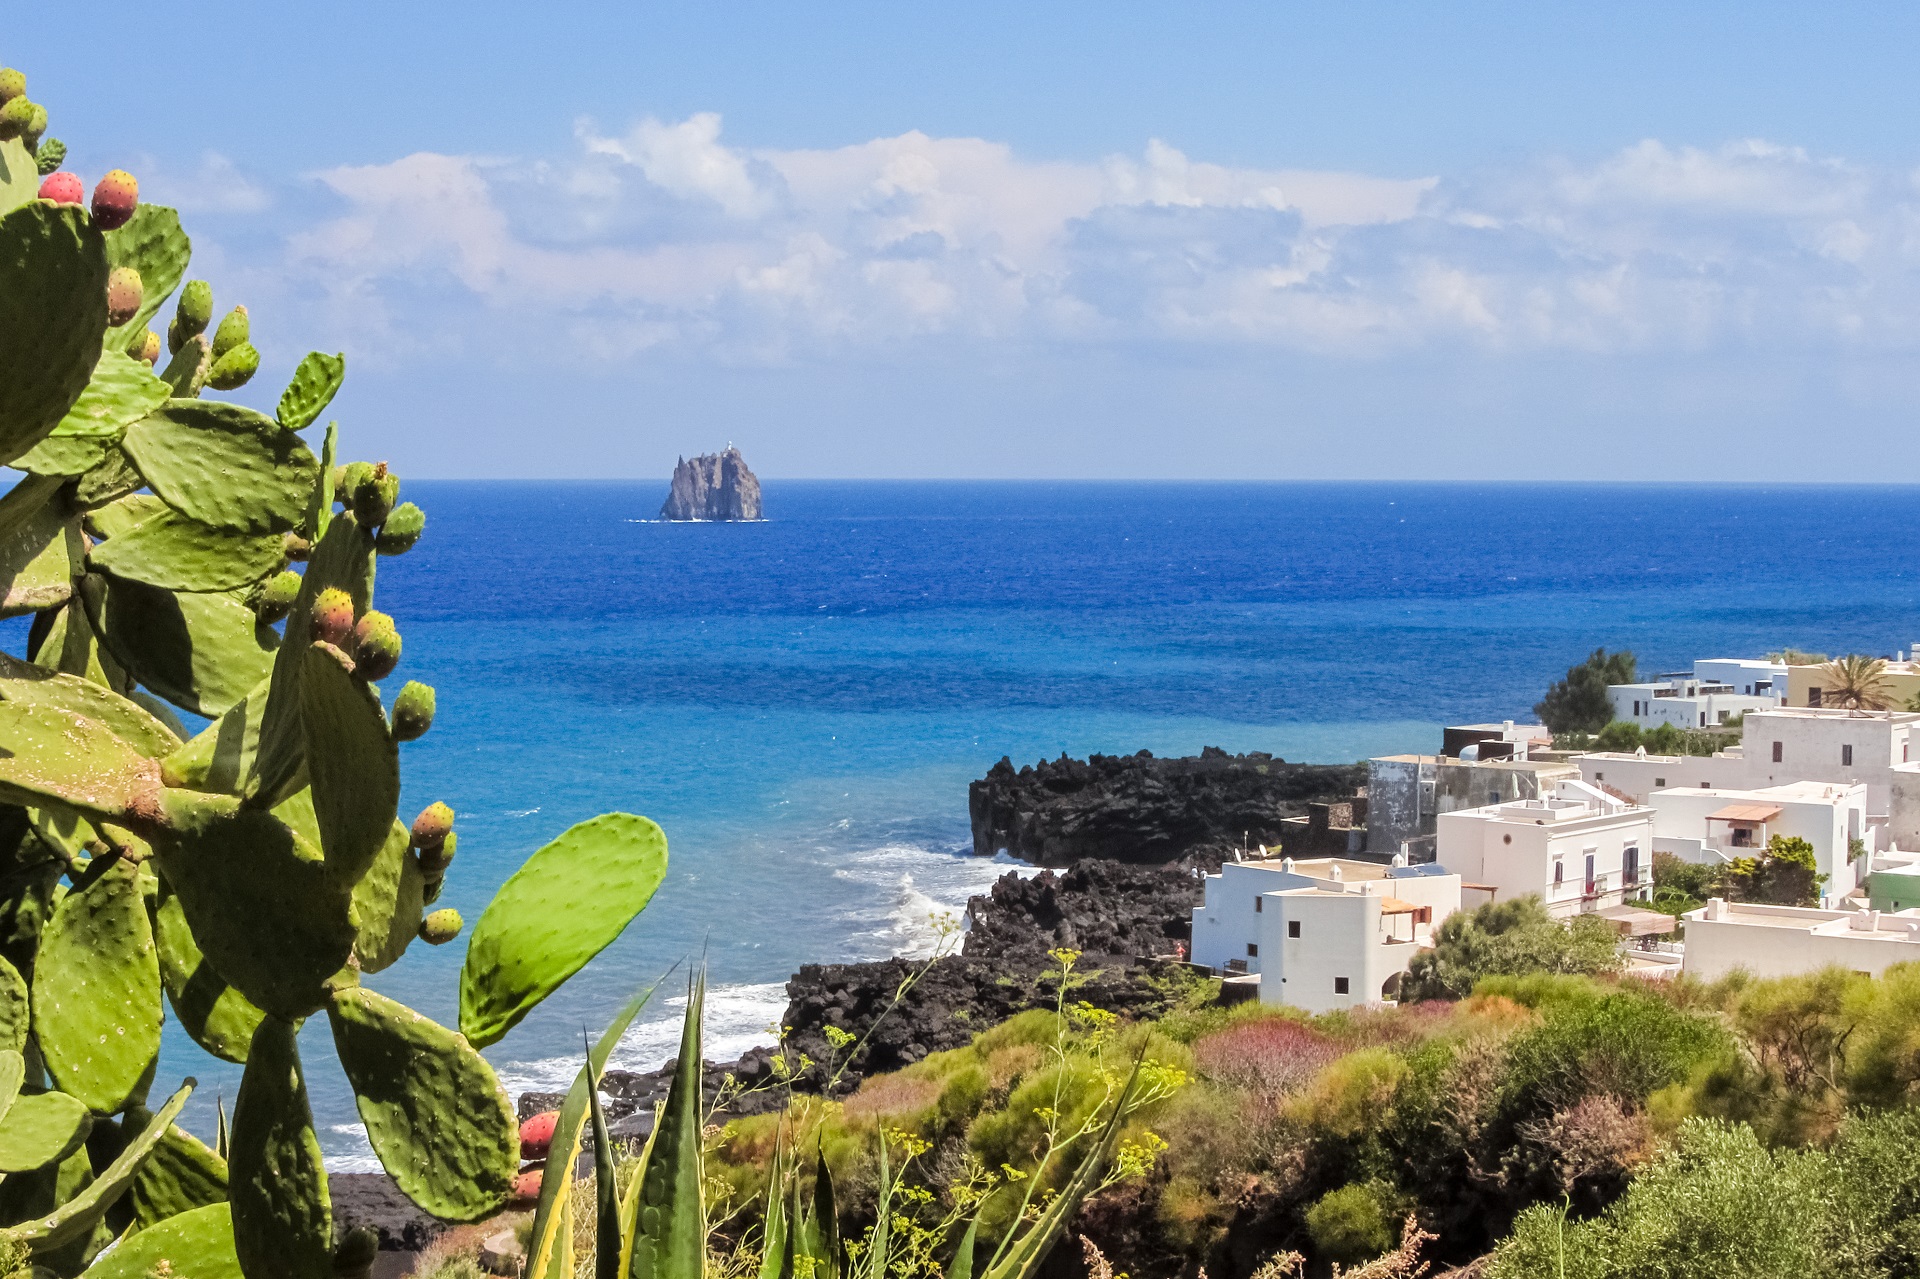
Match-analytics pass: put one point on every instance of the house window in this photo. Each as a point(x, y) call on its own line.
point(1339, 985)
point(1659, 781)
point(1588, 889)
point(1846, 757)
point(1493, 797)
point(1742, 837)
point(1776, 751)
point(1256, 906)
point(1293, 928)
point(1599, 777)
point(1559, 872)
point(1630, 864)
point(1253, 951)
point(1815, 696)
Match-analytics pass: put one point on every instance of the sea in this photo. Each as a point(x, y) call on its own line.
point(801, 702)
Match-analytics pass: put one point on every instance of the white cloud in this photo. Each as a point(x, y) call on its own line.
point(667, 236)
point(215, 186)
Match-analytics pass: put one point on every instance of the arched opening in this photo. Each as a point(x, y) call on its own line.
point(1390, 989)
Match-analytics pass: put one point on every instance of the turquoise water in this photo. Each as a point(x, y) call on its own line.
point(801, 703)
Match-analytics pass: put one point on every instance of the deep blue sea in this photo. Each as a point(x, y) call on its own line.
point(801, 702)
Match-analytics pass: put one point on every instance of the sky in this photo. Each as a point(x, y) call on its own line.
point(1067, 240)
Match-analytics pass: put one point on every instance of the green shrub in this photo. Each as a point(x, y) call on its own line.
point(1624, 1044)
point(1511, 937)
point(1349, 1224)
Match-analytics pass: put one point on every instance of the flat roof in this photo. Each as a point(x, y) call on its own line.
point(1529, 764)
point(1745, 813)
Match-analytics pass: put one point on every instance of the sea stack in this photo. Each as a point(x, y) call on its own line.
point(714, 486)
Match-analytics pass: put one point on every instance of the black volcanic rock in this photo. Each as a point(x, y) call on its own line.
point(714, 486)
point(1136, 808)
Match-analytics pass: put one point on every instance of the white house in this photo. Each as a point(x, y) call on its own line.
point(1810, 744)
point(1637, 774)
point(1227, 924)
point(1718, 824)
point(1779, 941)
point(1717, 690)
point(1582, 850)
point(1328, 948)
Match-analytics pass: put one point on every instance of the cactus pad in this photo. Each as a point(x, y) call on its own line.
point(13, 1015)
point(352, 763)
point(197, 1244)
point(19, 175)
point(387, 903)
point(153, 244)
point(121, 391)
point(220, 1018)
point(224, 465)
point(23, 683)
point(179, 554)
point(259, 900)
point(35, 571)
point(77, 1217)
point(52, 755)
point(63, 456)
point(282, 1212)
point(314, 385)
point(40, 1129)
point(181, 1174)
point(221, 757)
point(96, 991)
point(201, 651)
point(434, 1111)
point(123, 514)
point(53, 315)
point(187, 371)
point(559, 910)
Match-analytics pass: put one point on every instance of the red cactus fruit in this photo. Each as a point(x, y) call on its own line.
point(333, 616)
point(526, 1187)
point(376, 646)
point(536, 1135)
point(124, 291)
point(432, 826)
point(63, 188)
point(115, 197)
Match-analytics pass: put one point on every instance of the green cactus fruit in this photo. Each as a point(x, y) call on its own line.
point(376, 646)
point(175, 337)
point(123, 295)
point(219, 1018)
point(401, 529)
point(276, 598)
point(276, 1181)
point(233, 332)
point(352, 762)
point(263, 908)
point(435, 1113)
point(197, 1243)
point(146, 347)
point(13, 84)
point(354, 1255)
point(434, 861)
point(563, 907)
point(41, 1129)
point(35, 130)
point(96, 991)
point(51, 155)
point(387, 903)
point(224, 465)
point(315, 382)
point(15, 117)
point(194, 312)
point(235, 369)
point(374, 496)
point(350, 478)
point(412, 711)
point(297, 549)
point(115, 197)
point(431, 828)
point(337, 482)
point(441, 927)
point(332, 617)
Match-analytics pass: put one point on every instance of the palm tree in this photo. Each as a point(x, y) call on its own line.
point(1856, 683)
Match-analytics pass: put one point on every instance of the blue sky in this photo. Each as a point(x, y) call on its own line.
point(1491, 241)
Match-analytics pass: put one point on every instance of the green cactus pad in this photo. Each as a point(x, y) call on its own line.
point(13, 1073)
point(180, 554)
point(269, 918)
point(111, 480)
point(282, 1212)
point(35, 572)
point(62, 456)
point(40, 1129)
point(559, 910)
point(121, 391)
point(436, 1115)
point(219, 1018)
point(314, 385)
point(23, 683)
point(75, 1218)
point(181, 1174)
point(123, 515)
point(224, 465)
point(13, 1013)
point(352, 763)
point(53, 314)
point(387, 903)
point(195, 1245)
point(153, 244)
point(96, 992)
point(53, 756)
point(221, 757)
point(201, 651)
point(186, 373)
point(19, 175)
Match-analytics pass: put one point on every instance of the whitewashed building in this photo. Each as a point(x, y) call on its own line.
point(1582, 850)
point(1227, 923)
point(1717, 825)
point(1780, 941)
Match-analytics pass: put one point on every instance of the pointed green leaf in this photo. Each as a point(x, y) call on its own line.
point(197, 1244)
point(276, 1181)
point(121, 392)
point(671, 1241)
point(180, 554)
point(75, 1218)
point(41, 1129)
point(201, 651)
point(219, 1018)
point(353, 763)
point(961, 1267)
point(313, 387)
point(153, 244)
point(434, 1112)
point(224, 465)
point(606, 1224)
point(563, 907)
point(53, 314)
point(96, 992)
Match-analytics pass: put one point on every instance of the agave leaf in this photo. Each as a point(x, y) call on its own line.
point(606, 1232)
point(961, 1267)
point(670, 1239)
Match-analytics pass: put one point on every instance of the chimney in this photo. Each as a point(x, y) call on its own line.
point(1334, 873)
point(1716, 908)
